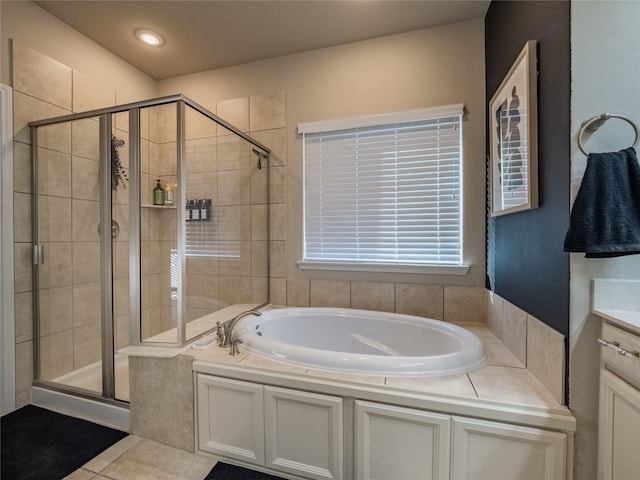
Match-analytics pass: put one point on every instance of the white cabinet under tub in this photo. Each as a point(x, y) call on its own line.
point(285, 430)
point(295, 433)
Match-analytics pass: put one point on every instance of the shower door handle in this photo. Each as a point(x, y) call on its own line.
point(38, 254)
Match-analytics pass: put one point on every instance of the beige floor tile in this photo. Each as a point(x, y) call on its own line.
point(149, 460)
point(112, 453)
point(81, 474)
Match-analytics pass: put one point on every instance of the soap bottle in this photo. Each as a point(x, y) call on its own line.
point(158, 194)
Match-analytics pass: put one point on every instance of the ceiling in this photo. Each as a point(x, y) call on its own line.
point(210, 34)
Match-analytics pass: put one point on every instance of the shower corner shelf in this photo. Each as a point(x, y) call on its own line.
point(158, 206)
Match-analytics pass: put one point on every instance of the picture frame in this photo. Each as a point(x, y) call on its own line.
point(513, 137)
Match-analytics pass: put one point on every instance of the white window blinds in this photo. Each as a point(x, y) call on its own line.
point(384, 189)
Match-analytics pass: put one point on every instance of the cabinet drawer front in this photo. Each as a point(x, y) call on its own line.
point(630, 364)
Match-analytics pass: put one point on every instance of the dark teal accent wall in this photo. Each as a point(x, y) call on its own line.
point(530, 269)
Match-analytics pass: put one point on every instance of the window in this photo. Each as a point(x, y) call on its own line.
point(384, 192)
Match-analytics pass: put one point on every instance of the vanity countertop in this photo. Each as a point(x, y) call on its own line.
point(618, 301)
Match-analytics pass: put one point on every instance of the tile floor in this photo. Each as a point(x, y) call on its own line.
point(136, 458)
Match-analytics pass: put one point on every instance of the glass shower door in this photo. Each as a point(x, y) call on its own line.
point(73, 281)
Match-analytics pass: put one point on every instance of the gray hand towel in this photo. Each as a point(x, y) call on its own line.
point(605, 219)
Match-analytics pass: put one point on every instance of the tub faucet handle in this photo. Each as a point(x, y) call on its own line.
point(234, 347)
point(221, 332)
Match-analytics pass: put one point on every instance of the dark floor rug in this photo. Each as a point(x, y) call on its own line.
point(224, 471)
point(38, 444)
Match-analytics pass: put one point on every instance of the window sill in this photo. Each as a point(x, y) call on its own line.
point(391, 268)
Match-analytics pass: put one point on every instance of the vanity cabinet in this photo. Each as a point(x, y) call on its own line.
point(619, 409)
point(484, 449)
point(286, 430)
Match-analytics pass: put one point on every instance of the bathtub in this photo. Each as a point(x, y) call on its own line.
point(362, 341)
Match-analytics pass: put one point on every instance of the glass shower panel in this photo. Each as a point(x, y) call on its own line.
point(159, 260)
point(69, 276)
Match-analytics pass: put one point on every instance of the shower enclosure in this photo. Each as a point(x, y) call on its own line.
point(117, 264)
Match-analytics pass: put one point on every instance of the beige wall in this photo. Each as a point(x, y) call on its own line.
point(430, 67)
point(26, 22)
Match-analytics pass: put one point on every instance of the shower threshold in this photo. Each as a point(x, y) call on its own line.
point(90, 377)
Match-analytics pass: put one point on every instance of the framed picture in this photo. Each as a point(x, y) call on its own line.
point(513, 137)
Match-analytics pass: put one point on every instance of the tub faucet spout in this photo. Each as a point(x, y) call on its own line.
point(225, 330)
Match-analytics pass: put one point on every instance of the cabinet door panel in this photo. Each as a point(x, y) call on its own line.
point(230, 418)
point(396, 443)
point(498, 451)
point(619, 430)
point(304, 433)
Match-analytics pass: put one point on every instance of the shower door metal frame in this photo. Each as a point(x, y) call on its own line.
point(106, 248)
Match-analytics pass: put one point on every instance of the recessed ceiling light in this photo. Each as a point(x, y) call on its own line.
point(149, 37)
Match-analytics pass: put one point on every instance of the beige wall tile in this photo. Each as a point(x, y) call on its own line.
point(545, 356)
point(162, 123)
point(85, 139)
point(373, 296)
point(233, 153)
point(278, 222)
point(259, 185)
point(235, 290)
point(23, 266)
point(232, 187)
point(85, 216)
point(54, 173)
point(56, 271)
point(54, 219)
point(278, 259)
point(421, 300)
point(91, 95)
point(41, 76)
point(494, 311)
point(275, 140)
point(85, 179)
point(202, 265)
point(198, 125)
point(86, 262)
point(259, 289)
point(298, 291)
point(23, 311)
point(24, 366)
point(121, 297)
point(236, 112)
point(22, 217)
point(514, 331)
point(259, 222)
point(267, 111)
point(201, 155)
point(259, 258)
point(278, 291)
point(501, 356)
point(464, 304)
point(330, 293)
point(60, 353)
point(278, 185)
point(87, 345)
point(21, 167)
point(27, 109)
point(56, 310)
point(86, 304)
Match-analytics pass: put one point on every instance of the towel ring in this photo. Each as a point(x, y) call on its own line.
point(596, 122)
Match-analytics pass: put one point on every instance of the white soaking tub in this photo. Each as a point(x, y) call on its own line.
point(362, 341)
